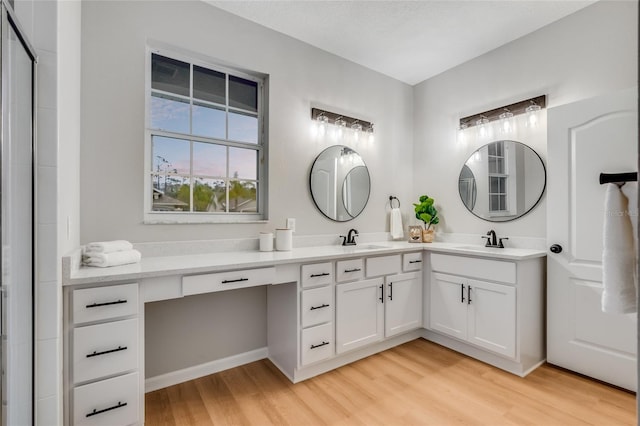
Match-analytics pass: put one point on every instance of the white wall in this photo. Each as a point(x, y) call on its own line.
point(114, 35)
point(591, 52)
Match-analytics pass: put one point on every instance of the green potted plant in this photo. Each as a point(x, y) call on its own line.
point(427, 213)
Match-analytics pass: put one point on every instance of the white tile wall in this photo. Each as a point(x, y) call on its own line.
point(47, 368)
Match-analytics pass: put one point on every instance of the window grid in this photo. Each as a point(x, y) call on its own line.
point(252, 184)
point(497, 165)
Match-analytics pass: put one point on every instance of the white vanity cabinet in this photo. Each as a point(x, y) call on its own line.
point(344, 310)
point(103, 356)
point(479, 312)
point(487, 308)
point(387, 304)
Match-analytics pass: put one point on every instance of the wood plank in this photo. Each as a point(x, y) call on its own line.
point(418, 383)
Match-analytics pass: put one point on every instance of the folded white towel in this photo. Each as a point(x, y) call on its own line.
point(395, 225)
point(104, 260)
point(108, 246)
point(620, 280)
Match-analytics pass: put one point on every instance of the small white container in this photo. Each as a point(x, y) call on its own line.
point(266, 241)
point(284, 239)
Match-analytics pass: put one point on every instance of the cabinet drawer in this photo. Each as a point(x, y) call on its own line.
point(107, 402)
point(487, 269)
point(317, 274)
point(317, 343)
point(208, 283)
point(383, 265)
point(412, 261)
point(349, 270)
point(105, 349)
point(317, 306)
point(102, 303)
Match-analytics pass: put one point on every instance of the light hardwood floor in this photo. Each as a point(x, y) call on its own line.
point(418, 383)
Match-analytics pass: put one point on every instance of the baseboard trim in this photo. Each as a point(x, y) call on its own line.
point(169, 379)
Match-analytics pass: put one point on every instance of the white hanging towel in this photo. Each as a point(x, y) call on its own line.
point(619, 269)
point(395, 225)
point(116, 258)
point(108, 246)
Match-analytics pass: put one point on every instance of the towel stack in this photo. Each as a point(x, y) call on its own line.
point(110, 253)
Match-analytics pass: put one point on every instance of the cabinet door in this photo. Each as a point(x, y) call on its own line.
point(403, 304)
point(448, 305)
point(492, 317)
point(359, 314)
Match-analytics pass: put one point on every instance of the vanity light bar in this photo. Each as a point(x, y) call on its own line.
point(337, 119)
point(494, 114)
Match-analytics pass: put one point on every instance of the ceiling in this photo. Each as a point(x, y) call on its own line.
point(407, 40)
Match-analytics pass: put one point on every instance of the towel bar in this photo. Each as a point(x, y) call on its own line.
point(620, 178)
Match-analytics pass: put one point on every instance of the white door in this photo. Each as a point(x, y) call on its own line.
point(359, 314)
point(584, 139)
point(492, 316)
point(448, 305)
point(403, 306)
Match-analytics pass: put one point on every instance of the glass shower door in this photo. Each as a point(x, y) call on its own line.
point(17, 224)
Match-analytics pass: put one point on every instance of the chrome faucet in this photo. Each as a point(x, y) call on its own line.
point(493, 241)
point(350, 239)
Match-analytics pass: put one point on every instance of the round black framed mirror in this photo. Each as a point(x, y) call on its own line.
point(502, 181)
point(340, 183)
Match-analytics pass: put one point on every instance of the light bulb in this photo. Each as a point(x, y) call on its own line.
point(462, 132)
point(357, 128)
point(532, 115)
point(321, 123)
point(506, 122)
point(484, 130)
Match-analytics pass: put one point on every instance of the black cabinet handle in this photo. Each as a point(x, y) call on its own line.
point(461, 293)
point(390, 291)
point(320, 345)
point(352, 270)
point(415, 261)
point(104, 410)
point(381, 298)
point(324, 274)
point(469, 295)
point(97, 305)
point(235, 281)
point(324, 305)
point(110, 351)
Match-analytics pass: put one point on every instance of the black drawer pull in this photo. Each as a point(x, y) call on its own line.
point(104, 410)
point(324, 305)
point(415, 261)
point(96, 305)
point(352, 270)
point(118, 349)
point(320, 345)
point(235, 281)
point(324, 274)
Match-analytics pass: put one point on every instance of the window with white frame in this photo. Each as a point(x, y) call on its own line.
point(205, 142)
point(497, 163)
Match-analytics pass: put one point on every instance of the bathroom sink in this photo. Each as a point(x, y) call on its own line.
point(363, 247)
point(481, 249)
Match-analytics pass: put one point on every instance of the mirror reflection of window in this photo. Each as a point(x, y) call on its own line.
point(509, 179)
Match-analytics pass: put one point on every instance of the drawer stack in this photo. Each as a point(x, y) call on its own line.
point(317, 310)
point(104, 377)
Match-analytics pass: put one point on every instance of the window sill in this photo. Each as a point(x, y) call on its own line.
point(195, 219)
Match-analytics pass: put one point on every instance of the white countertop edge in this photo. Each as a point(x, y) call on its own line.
point(151, 267)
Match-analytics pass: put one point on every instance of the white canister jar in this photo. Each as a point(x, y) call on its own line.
point(266, 241)
point(284, 239)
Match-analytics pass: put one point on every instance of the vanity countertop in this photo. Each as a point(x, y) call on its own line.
point(150, 267)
